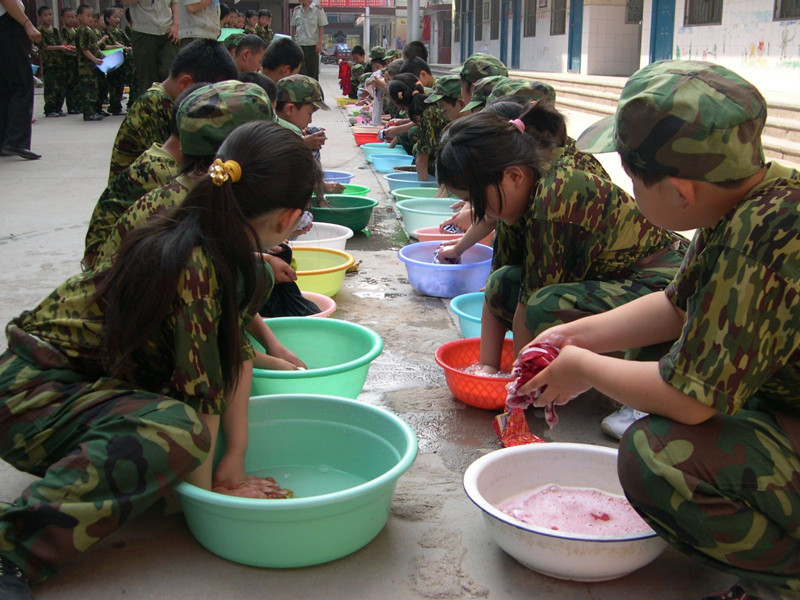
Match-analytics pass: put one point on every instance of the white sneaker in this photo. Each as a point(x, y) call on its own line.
point(618, 422)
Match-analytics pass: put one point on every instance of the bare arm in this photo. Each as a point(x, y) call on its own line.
point(91, 57)
point(422, 166)
point(319, 39)
point(173, 32)
point(16, 13)
point(230, 470)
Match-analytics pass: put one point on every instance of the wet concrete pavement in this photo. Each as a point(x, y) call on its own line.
point(434, 544)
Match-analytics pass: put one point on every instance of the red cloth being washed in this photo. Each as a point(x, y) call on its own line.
point(344, 78)
point(511, 427)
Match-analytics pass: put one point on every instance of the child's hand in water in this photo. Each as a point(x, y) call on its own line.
point(283, 271)
point(331, 187)
point(229, 473)
point(290, 357)
point(256, 487)
point(447, 252)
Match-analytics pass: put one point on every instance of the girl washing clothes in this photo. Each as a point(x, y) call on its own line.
point(113, 388)
point(575, 244)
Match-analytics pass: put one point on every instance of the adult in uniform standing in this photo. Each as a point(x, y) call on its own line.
point(308, 26)
point(154, 39)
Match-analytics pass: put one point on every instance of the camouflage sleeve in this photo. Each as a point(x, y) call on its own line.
point(197, 376)
point(741, 327)
point(426, 143)
point(146, 123)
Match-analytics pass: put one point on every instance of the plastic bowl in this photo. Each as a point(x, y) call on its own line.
point(381, 148)
point(337, 176)
point(341, 458)
point(365, 137)
point(338, 355)
point(402, 180)
point(446, 281)
point(351, 189)
point(321, 270)
point(327, 306)
point(432, 234)
point(468, 308)
point(499, 475)
point(385, 163)
point(476, 390)
point(351, 211)
point(409, 193)
point(324, 235)
point(343, 101)
point(424, 212)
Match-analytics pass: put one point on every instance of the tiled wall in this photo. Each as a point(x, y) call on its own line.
point(609, 46)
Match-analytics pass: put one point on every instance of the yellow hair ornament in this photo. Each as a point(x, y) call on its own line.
point(220, 171)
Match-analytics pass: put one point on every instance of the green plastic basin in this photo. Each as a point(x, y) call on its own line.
point(351, 211)
point(351, 189)
point(416, 192)
point(338, 355)
point(341, 458)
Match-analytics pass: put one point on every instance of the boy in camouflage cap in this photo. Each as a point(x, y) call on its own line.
point(299, 97)
point(481, 91)
point(521, 89)
point(447, 97)
point(478, 66)
point(205, 118)
point(715, 468)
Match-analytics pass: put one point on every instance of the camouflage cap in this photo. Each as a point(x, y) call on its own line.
point(394, 54)
point(301, 88)
point(377, 53)
point(481, 65)
point(531, 91)
point(211, 112)
point(233, 40)
point(688, 119)
point(448, 86)
point(481, 91)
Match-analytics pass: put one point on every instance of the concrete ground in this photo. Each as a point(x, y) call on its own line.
point(434, 544)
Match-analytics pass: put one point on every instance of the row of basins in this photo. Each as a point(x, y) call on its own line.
point(342, 458)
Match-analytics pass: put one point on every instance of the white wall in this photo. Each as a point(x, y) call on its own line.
point(543, 52)
point(764, 51)
point(609, 45)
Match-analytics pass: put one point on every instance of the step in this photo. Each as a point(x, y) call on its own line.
point(781, 150)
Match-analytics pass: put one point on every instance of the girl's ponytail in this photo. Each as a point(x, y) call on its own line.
point(407, 92)
point(545, 123)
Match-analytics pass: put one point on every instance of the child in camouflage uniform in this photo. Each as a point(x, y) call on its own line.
point(357, 69)
point(69, 34)
point(147, 121)
point(715, 468)
point(51, 53)
point(264, 29)
point(299, 97)
point(112, 402)
point(116, 79)
point(575, 243)
point(476, 67)
point(89, 56)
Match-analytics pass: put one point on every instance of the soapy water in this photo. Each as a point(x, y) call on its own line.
point(476, 370)
point(574, 510)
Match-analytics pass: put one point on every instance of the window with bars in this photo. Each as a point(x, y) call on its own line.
point(530, 18)
point(478, 20)
point(457, 22)
point(787, 9)
point(558, 17)
point(494, 29)
point(633, 11)
point(703, 12)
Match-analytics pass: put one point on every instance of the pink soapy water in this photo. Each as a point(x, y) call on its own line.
point(574, 510)
point(476, 370)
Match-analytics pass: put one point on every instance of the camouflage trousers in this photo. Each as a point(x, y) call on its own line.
point(116, 86)
point(54, 90)
point(102, 89)
point(105, 453)
point(725, 492)
point(565, 302)
point(72, 91)
point(87, 85)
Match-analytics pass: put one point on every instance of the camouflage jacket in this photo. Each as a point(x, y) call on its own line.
point(265, 33)
point(510, 239)
point(181, 360)
point(146, 123)
point(86, 39)
point(158, 200)
point(580, 227)
point(117, 36)
point(740, 287)
point(150, 171)
point(50, 58)
point(431, 125)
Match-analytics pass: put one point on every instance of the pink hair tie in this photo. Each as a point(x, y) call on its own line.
point(518, 124)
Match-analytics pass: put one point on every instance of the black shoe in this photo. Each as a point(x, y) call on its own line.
point(21, 152)
point(73, 112)
point(103, 113)
point(53, 114)
point(13, 582)
point(61, 113)
point(94, 117)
